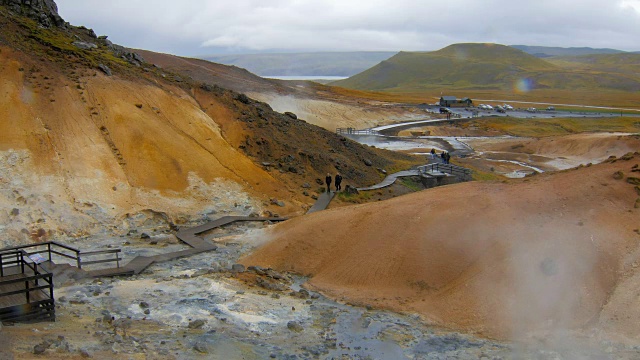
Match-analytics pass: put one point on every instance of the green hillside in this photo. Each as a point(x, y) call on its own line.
point(488, 67)
point(626, 63)
point(548, 51)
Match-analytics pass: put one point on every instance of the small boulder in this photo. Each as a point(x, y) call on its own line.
point(295, 326)
point(84, 353)
point(291, 115)
point(238, 268)
point(40, 348)
point(84, 45)
point(197, 324)
point(201, 347)
point(105, 69)
point(243, 98)
point(367, 162)
point(351, 190)
point(618, 175)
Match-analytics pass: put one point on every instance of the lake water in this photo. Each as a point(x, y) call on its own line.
point(305, 77)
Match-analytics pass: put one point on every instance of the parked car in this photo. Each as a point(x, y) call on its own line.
point(507, 107)
point(551, 108)
point(500, 109)
point(444, 110)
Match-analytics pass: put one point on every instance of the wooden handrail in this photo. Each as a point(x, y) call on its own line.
point(115, 259)
point(38, 274)
point(98, 252)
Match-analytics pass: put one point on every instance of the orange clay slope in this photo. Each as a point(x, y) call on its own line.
point(118, 142)
point(500, 259)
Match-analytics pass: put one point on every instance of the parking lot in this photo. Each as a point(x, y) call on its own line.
point(522, 113)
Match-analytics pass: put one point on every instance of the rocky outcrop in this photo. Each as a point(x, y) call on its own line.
point(43, 11)
point(125, 54)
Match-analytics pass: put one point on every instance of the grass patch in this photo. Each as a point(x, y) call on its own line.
point(411, 183)
point(479, 175)
point(359, 198)
point(557, 126)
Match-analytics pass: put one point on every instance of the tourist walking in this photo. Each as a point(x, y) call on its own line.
point(328, 181)
point(338, 182)
point(443, 156)
point(433, 153)
point(447, 158)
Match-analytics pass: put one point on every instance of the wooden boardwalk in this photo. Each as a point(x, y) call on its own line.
point(323, 201)
point(188, 236)
point(390, 179)
point(18, 299)
point(431, 170)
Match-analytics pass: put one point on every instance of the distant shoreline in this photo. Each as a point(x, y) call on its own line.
point(305, 77)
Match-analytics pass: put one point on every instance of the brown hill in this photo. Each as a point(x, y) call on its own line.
point(81, 150)
point(556, 251)
point(317, 104)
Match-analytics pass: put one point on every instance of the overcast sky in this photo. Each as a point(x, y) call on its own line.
point(206, 27)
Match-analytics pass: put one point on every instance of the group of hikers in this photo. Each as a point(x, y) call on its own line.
point(338, 182)
point(444, 156)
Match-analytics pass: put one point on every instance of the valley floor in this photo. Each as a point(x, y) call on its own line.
point(199, 308)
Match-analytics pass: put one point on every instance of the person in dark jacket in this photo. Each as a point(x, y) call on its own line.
point(338, 182)
point(328, 181)
point(448, 157)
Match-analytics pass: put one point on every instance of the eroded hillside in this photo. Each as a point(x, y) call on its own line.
point(92, 135)
point(317, 104)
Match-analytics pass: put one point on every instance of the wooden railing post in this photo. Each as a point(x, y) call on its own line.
point(51, 286)
point(78, 261)
point(49, 250)
point(26, 285)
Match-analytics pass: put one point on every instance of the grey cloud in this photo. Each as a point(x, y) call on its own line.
point(207, 26)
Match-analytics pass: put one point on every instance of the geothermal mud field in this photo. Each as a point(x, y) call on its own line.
point(207, 306)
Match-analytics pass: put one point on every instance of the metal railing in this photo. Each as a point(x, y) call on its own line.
point(52, 248)
point(33, 274)
point(446, 168)
point(115, 252)
point(352, 131)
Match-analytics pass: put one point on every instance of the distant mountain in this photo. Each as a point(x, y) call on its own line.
point(496, 67)
point(626, 63)
point(547, 51)
point(304, 64)
point(460, 65)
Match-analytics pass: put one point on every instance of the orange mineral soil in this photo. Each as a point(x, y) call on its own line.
point(505, 259)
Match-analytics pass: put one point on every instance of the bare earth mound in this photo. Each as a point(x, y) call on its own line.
point(501, 259)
